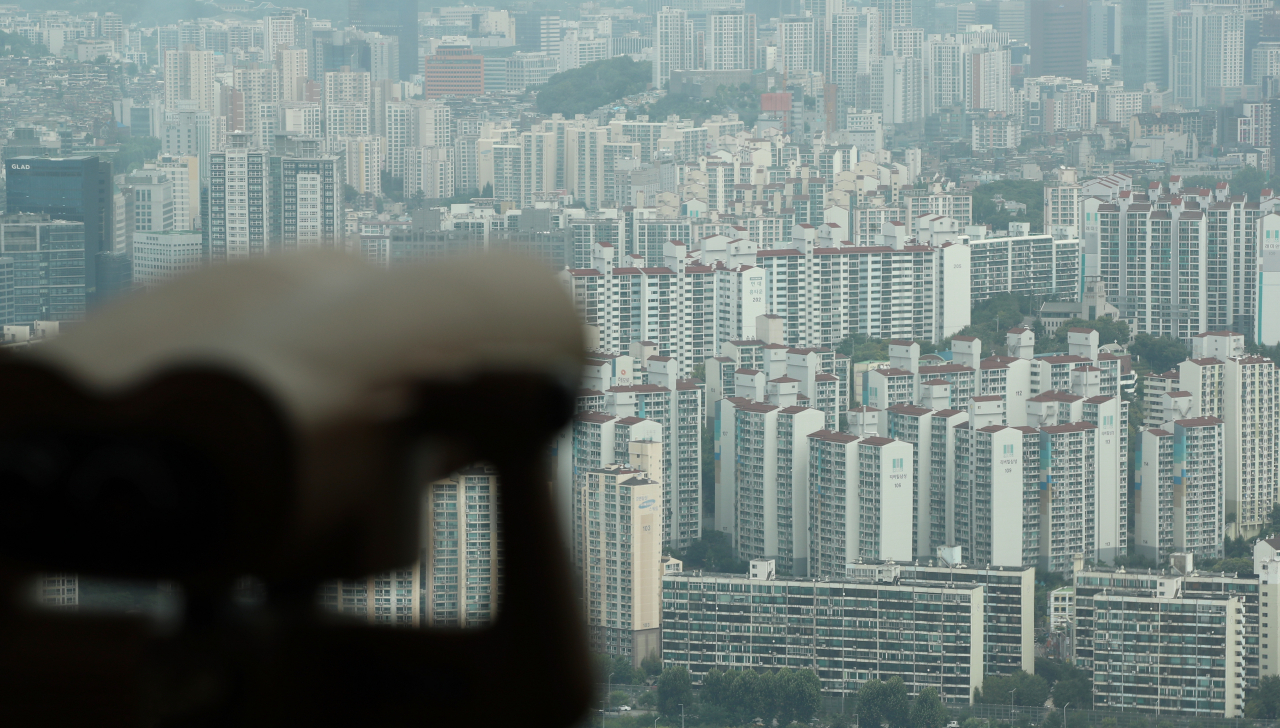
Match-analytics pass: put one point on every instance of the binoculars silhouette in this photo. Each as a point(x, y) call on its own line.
point(278, 418)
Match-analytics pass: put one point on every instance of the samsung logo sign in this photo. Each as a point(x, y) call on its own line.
point(19, 166)
point(647, 503)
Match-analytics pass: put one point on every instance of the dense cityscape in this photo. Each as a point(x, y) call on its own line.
point(931, 375)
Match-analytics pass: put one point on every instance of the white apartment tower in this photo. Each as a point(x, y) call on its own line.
point(415, 124)
point(672, 45)
point(1173, 268)
point(1206, 51)
point(1178, 505)
point(855, 49)
point(618, 552)
point(428, 170)
point(461, 584)
point(730, 40)
point(764, 472)
point(860, 493)
point(189, 78)
point(796, 45)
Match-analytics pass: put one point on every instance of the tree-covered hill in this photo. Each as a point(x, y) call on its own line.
point(12, 44)
point(586, 89)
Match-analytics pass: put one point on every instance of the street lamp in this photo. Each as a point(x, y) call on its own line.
point(682, 715)
point(1011, 692)
point(1064, 715)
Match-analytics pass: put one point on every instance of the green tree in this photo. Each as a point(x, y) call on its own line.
point(416, 201)
point(897, 710)
point(860, 348)
point(743, 696)
point(767, 697)
point(585, 89)
point(713, 552)
point(487, 192)
point(716, 687)
point(927, 710)
point(618, 697)
point(1160, 353)
point(871, 699)
point(800, 694)
point(1076, 691)
point(651, 664)
point(1053, 719)
point(13, 44)
point(675, 688)
point(134, 152)
point(349, 193)
point(623, 673)
point(1028, 192)
point(884, 703)
point(1241, 565)
point(1027, 689)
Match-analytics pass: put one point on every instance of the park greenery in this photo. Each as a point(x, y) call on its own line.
point(134, 151)
point(713, 552)
point(1247, 181)
point(742, 696)
point(585, 89)
point(1028, 192)
point(991, 320)
point(12, 44)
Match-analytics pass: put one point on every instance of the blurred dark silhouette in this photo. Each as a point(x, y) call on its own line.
point(276, 419)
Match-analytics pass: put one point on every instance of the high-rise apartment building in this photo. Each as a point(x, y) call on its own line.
point(1173, 268)
point(293, 71)
point(306, 195)
point(763, 473)
point(796, 45)
point(1206, 52)
point(672, 45)
point(730, 40)
point(259, 87)
point(1178, 505)
point(855, 49)
point(415, 124)
point(1133, 669)
point(618, 552)
point(363, 162)
point(184, 174)
point(189, 77)
point(461, 571)
point(429, 171)
point(239, 201)
point(188, 132)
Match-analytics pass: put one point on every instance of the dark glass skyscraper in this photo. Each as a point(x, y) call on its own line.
point(397, 18)
point(77, 189)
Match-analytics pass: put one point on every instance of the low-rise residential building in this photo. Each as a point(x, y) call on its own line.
point(848, 630)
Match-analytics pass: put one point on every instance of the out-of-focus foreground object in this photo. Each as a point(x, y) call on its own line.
point(277, 419)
